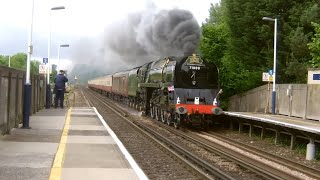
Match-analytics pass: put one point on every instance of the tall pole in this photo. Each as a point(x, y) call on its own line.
point(48, 92)
point(274, 67)
point(27, 86)
point(275, 20)
point(9, 61)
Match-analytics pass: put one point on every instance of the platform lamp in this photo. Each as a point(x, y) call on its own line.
point(48, 92)
point(27, 85)
point(60, 46)
point(275, 20)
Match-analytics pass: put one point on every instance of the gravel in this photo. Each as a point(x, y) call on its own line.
point(155, 162)
point(157, 165)
point(270, 147)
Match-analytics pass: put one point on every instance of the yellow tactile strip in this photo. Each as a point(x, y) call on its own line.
point(59, 158)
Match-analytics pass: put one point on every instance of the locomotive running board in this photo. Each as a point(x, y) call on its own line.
point(154, 85)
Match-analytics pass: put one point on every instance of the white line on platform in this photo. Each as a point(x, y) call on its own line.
point(275, 122)
point(132, 162)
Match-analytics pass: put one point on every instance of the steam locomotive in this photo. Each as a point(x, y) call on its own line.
point(174, 90)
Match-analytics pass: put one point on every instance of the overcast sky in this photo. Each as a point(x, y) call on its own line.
point(81, 24)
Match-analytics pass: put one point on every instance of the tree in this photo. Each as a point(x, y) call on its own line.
point(250, 41)
point(300, 32)
point(4, 60)
point(314, 46)
point(214, 35)
point(53, 75)
point(237, 39)
point(34, 67)
point(19, 61)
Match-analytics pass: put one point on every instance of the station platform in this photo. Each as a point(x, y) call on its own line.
point(66, 144)
point(295, 127)
point(280, 120)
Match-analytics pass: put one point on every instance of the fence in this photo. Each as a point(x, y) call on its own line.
point(299, 100)
point(12, 97)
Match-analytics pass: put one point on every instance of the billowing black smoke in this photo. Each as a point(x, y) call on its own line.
point(153, 34)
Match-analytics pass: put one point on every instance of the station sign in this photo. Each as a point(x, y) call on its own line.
point(266, 77)
point(314, 76)
point(42, 68)
point(45, 60)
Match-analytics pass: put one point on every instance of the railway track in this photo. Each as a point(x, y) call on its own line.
point(251, 159)
point(201, 170)
point(251, 165)
point(293, 166)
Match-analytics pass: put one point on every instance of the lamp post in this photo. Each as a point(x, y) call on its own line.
point(27, 85)
point(48, 92)
point(275, 20)
point(60, 46)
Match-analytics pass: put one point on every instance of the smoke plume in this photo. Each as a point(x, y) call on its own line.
point(141, 37)
point(152, 34)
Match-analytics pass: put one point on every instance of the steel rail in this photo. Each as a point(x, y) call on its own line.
point(263, 169)
point(89, 102)
point(308, 171)
point(245, 161)
point(161, 140)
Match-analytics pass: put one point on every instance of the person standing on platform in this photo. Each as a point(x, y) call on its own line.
point(59, 88)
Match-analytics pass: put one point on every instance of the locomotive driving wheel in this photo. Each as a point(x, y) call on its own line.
point(157, 113)
point(163, 116)
point(169, 119)
point(152, 111)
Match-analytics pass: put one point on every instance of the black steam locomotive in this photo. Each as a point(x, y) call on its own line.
point(174, 90)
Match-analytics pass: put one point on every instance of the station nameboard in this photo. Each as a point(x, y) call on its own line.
point(266, 77)
point(314, 76)
point(42, 69)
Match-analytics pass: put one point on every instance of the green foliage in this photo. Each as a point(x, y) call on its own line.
point(53, 75)
point(34, 67)
point(213, 39)
point(19, 61)
point(314, 46)
point(4, 60)
point(213, 42)
point(237, 39)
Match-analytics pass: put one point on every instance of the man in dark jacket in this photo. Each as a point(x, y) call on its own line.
point(59, 88)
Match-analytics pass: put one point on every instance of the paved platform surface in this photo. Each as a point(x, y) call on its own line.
point(286, 121)
point(66, 144)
